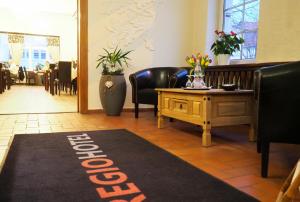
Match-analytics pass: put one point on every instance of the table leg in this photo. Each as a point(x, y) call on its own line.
point(251, 135)
point(160, 118)
point(160, 121)
point(206, 127)
point(206, 137)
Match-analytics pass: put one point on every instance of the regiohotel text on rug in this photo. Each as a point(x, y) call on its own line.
point(98, 165)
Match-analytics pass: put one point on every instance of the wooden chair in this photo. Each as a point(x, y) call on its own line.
point(47, 76)
point(30, 75)
point(7, 79)
point(21, 75)
point(1, 79)
point(290, 191)
point(64, 76)
point(74, 86)
point(53, 77)
point(46, 79)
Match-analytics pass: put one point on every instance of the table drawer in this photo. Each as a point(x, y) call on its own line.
point(180, 106)
point(183, 107)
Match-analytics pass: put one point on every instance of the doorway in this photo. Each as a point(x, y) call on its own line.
point(29, 95)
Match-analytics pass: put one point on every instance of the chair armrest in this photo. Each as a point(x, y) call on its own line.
point(139, 80)
point(178, 79)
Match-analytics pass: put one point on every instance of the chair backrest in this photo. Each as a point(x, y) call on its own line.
point(21, 73)
point(278, 103)
point(31, 74)
point(156, 77)
point(1, 79)
point(161, 76)
point(64, 71)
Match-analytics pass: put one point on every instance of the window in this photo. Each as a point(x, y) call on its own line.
point(4, 49)
point(43, 55)
point(35, 54)
point(35, 50)
point(241, 16)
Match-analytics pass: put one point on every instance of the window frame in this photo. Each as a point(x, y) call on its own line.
point(222, 18)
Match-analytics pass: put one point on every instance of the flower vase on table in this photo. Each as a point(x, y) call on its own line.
point(198, 63)
point(198, 81)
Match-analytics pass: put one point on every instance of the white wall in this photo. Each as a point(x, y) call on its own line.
point(43, 23)
point(161, 33)
point(279, 28)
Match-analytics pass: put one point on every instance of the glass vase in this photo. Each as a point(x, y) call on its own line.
point(198, 82)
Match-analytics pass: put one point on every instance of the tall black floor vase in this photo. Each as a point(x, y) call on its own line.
point(112, 94)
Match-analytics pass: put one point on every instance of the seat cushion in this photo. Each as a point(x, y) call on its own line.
point(147, 96)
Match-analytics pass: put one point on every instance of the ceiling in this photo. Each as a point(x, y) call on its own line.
point(67, 7)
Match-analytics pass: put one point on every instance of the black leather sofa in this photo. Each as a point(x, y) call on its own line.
point(145, 81)
point(278, 95)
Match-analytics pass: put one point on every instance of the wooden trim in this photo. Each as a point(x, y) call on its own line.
point(93, 111)
point(30, 34)
point(82, 9)
point(245, 65)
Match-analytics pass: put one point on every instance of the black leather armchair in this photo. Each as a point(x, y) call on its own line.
point(278, 95)
point(145, 81)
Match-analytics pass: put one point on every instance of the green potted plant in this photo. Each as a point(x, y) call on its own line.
point(225, 45)
point(112, 87)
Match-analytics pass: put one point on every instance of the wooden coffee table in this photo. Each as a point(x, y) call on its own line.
point(207, 108)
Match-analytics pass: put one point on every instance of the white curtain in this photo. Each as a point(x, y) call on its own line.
point(16, 43)
point(53, 49)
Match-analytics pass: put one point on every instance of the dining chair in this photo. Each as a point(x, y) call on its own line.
point(30, 76)
point(1, 78)
point(64, 76)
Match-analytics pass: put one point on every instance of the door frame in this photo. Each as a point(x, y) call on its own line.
point(82, 55)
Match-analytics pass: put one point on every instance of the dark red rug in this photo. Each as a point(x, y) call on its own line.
point(112, 165)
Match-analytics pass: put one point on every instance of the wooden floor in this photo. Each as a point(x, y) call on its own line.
point(231, 158)
point(34, 99)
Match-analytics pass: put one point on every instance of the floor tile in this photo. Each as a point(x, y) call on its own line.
point(231, 158)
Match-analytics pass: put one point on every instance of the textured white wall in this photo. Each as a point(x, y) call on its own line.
point(42, 23)
point(279, 28)
point(159, 31)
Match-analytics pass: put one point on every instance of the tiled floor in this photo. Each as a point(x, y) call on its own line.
point(34, 99)
point(231, 158)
